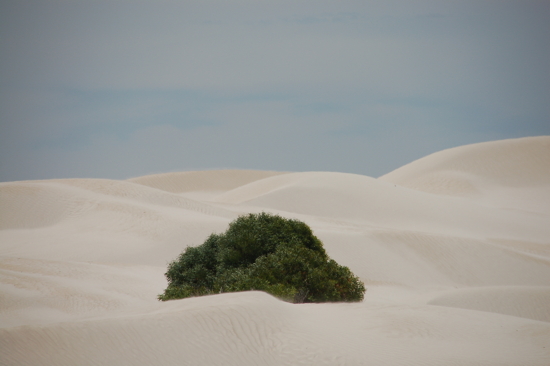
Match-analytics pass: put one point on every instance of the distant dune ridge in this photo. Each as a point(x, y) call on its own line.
point(454, 250)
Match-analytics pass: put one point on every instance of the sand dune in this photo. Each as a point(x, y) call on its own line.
point(517, 163)
point(512, 174)
point(523, 301)
point(453, 248)
point(202, 184)
point(256, 329)
point(365, 200)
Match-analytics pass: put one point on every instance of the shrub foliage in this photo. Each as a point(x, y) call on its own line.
point(267, 253)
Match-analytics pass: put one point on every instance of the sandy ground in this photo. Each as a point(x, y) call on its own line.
point(454, 249)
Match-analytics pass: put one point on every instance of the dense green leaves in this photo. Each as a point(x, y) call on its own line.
point(267, 253)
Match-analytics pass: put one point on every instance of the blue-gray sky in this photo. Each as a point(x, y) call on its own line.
point(117, 89)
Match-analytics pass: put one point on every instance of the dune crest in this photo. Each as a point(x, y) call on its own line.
point(462, 170)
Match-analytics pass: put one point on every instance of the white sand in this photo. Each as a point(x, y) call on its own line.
point(454, 249)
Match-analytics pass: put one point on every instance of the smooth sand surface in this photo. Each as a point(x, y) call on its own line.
point(454, 250)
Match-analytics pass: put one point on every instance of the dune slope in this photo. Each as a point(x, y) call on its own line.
point(256, 329)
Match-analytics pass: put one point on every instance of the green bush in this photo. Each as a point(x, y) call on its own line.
point(267, 253)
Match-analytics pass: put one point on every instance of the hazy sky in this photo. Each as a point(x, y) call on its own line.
point(117, 89)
